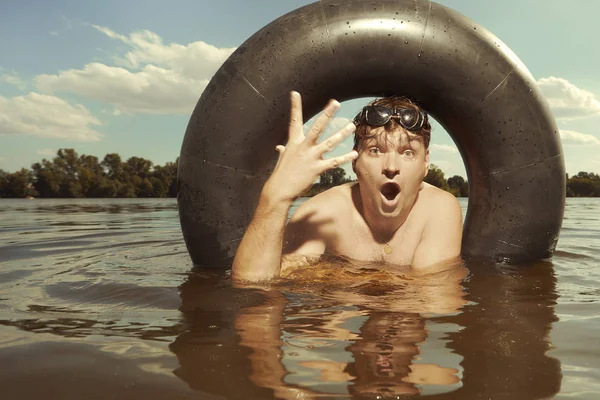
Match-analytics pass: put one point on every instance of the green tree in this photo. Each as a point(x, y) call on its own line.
point(435, 177)
point(584, 184)
point(19, 184)
point(458, 186)
point(48, 179)
point(145, 188)
point(71, 175)
point(67, 165)
point(137, 172)
point(138, 166)
point(333, 177)
point(174, 168)
point(158, 188)
point(126, 189)
point(3, 184)
point(118, 181)
point(164, 179)
point(113, 166)
point(91, 176)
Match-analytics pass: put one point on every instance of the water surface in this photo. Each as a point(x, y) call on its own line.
point(98, 300)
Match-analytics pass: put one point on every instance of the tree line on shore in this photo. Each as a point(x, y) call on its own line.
point(69, 175)
point(584, 184)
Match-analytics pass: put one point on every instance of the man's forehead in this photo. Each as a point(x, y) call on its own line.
point(399, 135)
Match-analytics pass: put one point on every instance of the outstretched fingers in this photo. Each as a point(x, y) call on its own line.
point(296, 133)
point(337, 161)
point(312, 136)
point(337, 138)
point(280, 149)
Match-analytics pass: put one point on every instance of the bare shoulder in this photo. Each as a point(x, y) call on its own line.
point(325, 206)
point(442, 230)
point(316, 221)
point(437, 201)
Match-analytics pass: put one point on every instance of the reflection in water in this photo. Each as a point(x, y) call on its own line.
point(385, 353)
point(505, 339)
point(361, 338)
point(208, 350)
point(364, 337)
point(90, 307)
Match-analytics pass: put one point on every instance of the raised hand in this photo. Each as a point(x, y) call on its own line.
point(301, 160)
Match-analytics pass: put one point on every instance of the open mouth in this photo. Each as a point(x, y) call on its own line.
point(390, 191)
point(383, 363)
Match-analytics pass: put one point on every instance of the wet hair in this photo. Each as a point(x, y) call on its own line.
point(365, 132)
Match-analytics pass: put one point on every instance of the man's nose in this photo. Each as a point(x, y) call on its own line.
point(391, 166)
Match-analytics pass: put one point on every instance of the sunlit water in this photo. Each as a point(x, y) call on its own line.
point(97, 301)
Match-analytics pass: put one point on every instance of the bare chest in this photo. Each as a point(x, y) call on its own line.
point(359, 243)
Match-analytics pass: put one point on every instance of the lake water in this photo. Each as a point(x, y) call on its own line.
point(98, 301)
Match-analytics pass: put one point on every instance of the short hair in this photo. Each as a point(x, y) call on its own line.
point(363, 130)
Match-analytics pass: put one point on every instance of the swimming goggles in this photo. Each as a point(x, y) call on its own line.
point(376, 115)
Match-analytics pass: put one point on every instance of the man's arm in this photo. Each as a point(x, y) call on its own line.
point(259, 254)
point(442, 236)
point(300, 163)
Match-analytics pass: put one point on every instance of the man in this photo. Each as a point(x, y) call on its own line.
point(389, 215)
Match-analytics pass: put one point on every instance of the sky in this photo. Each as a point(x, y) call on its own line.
point(124, 76)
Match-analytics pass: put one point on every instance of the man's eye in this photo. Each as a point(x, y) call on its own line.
point(374, 150)
point(408, 153)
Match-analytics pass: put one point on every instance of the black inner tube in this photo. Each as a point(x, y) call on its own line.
point(464, 76)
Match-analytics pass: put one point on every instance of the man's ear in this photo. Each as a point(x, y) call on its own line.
point(354, 164)
point(426, 163)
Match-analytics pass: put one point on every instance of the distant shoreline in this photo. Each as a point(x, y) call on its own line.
point(70, 175)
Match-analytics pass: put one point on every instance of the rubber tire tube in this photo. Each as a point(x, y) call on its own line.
point(463, 75)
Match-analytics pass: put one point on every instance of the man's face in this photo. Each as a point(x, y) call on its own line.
point(390, 169)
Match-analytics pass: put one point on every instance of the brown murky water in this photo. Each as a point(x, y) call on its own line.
point(97, 301)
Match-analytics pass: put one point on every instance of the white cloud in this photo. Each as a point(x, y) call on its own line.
point(444, 147)
point(196, 60)
point(577, 138)
point(46, 152)
point(568, 101)
point(12, 78)
point(153, 90)
point(46, 116)
point(152, 77)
